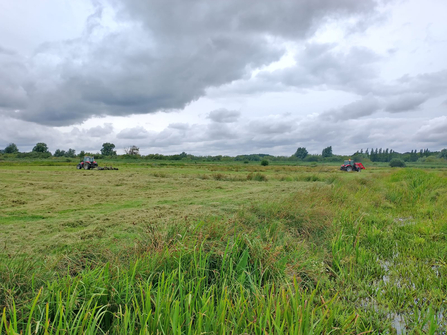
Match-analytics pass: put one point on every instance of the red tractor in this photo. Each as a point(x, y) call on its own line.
point(352, 166)
point(87, 164)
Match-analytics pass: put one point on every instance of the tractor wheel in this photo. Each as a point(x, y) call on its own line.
point(79, 166)
point(349, 169)
point(86, 166)
point(359, 169)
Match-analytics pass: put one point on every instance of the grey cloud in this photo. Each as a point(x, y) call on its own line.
point(133, 133)
point(366, 106)
point(405, 102)
point(7, 51)
point(224, 116)
point(13, 82)
point(162, 58)
point(392, 51)
point(270, 126)
point(180, 126)
point(433, 131)
point(322, 65)
point(433, 84)
point(220, 131)
point(93, 132)
point(290, 19)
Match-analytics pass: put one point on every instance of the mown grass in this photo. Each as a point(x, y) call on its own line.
point(298, 251)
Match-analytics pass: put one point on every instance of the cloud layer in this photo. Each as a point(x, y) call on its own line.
point(161, 58)
point(255, 64)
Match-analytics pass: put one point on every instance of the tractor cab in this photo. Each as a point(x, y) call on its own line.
point(348, 162)
point(89, 159)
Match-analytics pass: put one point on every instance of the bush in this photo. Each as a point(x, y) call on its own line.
point(395, 162)
point(264, 162)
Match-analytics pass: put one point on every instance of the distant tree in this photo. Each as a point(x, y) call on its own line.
point(327, 152)
point(40, 147)
point(70, 153)
point(301, 153)
point(134, 151)
point(443, 154)
point(82, 154)
point(414, 155)
point(59, 153)
point(264, 162)
point(107, 149)
point(11, 149)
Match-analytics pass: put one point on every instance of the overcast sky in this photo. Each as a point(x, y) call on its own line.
point(224, 77)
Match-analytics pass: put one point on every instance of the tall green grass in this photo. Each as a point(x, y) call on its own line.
point(185, 291)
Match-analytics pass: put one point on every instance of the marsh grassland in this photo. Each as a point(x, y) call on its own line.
point(222, 249)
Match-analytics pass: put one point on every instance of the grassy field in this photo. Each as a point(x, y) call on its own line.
point(222, 248)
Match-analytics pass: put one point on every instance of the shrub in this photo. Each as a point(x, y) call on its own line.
point(395, 162)
point(264, 162)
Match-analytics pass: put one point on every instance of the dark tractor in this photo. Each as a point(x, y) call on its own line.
point(350, 165)
point(87, 164)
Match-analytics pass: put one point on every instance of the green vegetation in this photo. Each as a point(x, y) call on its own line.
point(191, 248)
point(41, 147)
point(11, 148)
point(71, 153)
point(107, 149)
point(327, 152)
point(301, 153)
point(395, 162)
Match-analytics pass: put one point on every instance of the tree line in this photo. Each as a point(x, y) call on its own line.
point(387, 155)
point(40, 150)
